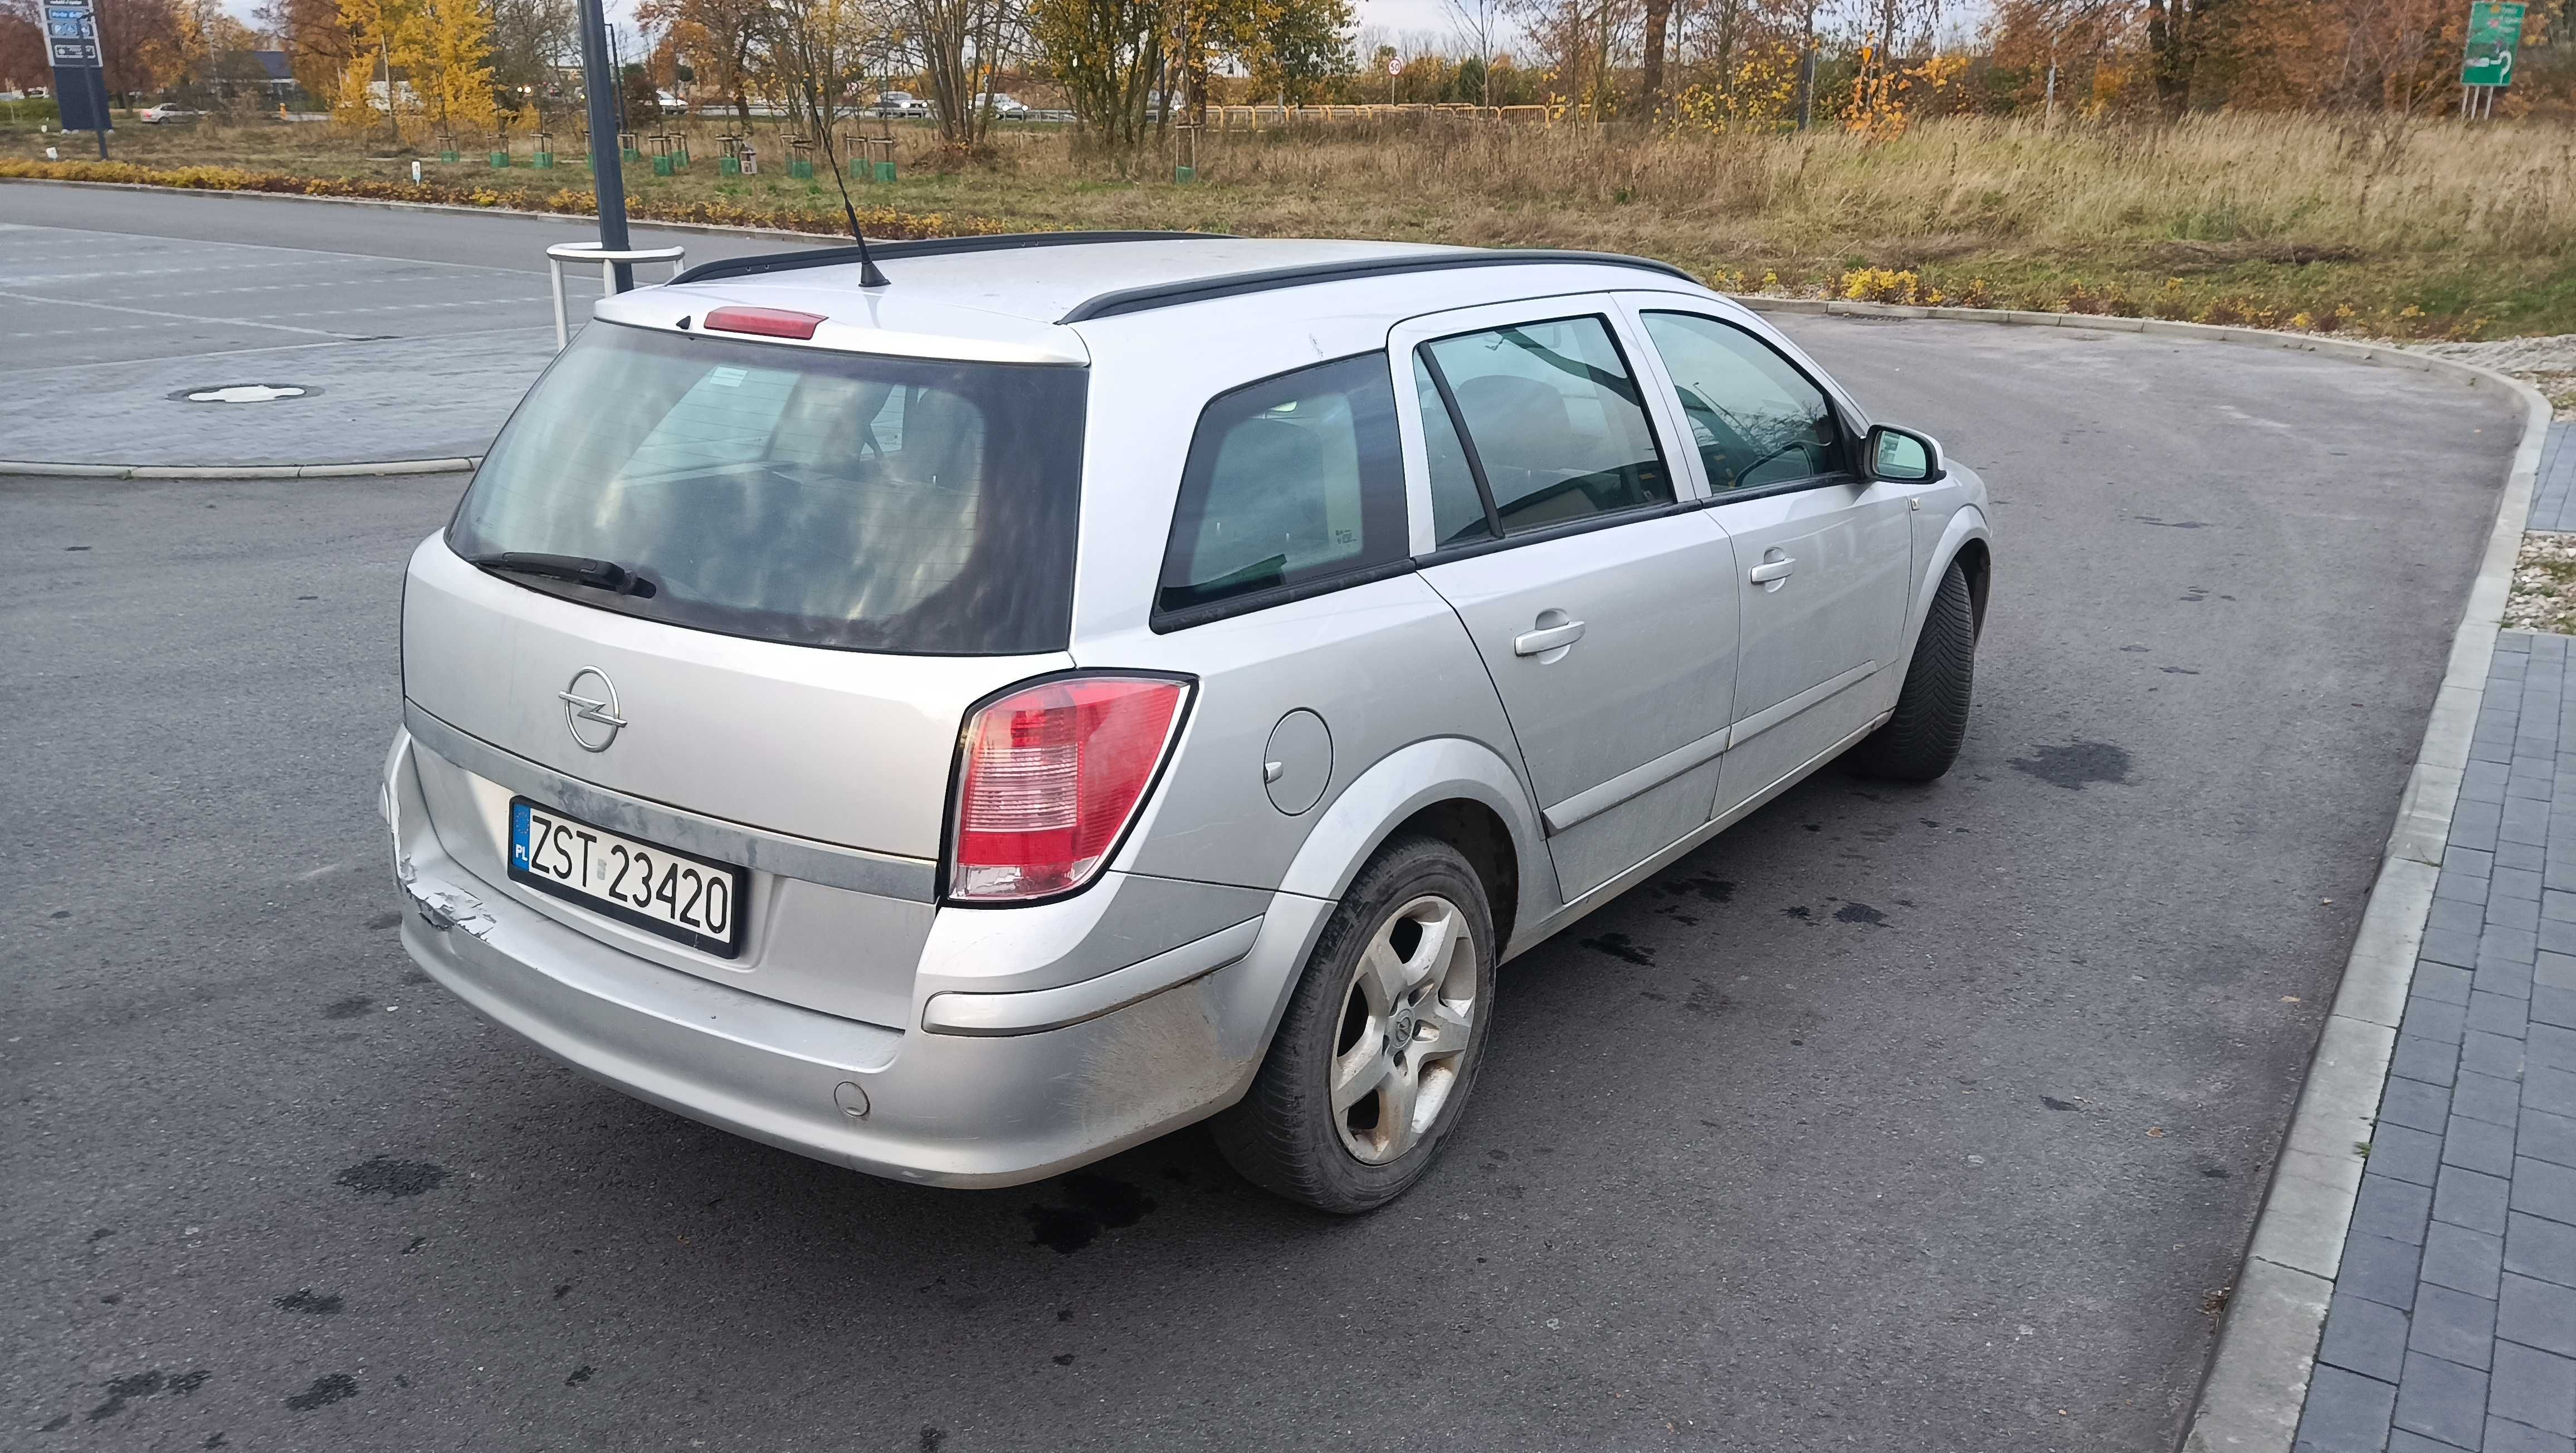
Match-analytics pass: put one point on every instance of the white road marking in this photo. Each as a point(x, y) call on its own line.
point(180, 317)
point(546, 328)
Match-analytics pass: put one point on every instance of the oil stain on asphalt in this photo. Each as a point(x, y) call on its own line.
point(393, 1179)
point(1097, 1203)
point(2076, 765)
point(327, 1389)
point(1620, 946)
point(124, 1390)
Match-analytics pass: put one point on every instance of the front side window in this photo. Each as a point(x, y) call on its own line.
point(1290, 481)
point(1557, 426)
point(1756, 419)
point(791, 494)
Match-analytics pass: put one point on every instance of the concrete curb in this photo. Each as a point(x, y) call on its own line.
point(820, 239)
point(2257, 1381)
point(56, 470)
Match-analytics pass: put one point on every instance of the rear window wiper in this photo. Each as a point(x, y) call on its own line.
point(605, 575)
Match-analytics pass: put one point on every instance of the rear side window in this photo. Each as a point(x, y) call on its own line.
point(1556, 421)
point(791, 494)
point(1291, 481)
point(1756, 419)
point(1457, 506)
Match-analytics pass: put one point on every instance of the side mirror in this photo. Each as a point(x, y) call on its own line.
point(1902, 456)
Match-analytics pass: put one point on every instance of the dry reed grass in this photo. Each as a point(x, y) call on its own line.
point(2425, 228)
point(2229, 187)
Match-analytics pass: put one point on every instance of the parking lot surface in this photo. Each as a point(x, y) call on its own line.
point(1896, 1118)
point(403, 335)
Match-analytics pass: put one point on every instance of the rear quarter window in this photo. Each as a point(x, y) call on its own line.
point(1292, 483)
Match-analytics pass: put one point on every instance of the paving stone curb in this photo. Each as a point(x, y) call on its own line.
point(57, 470)
point(2257, 1381)
point(820, 239)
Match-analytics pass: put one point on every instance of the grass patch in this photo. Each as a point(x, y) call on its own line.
point(2428, 230)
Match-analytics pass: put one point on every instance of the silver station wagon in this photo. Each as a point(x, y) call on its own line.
point(962, 727)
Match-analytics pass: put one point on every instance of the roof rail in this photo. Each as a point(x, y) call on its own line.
point(1226, 285)
point(916, 247)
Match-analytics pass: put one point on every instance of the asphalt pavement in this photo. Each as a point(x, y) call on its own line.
point(160, 328)
point(1896, 1118)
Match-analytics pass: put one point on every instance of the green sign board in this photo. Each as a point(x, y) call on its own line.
point(2495, 28)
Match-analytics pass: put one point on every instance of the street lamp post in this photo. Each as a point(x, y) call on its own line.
point(606, 166)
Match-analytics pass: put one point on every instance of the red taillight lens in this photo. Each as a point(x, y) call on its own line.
point(1050, 778)
point(767, 322)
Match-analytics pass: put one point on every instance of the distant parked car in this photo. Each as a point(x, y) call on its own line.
point(901, 103)
point(163, 115)
point(671, 105)
point(1002, 105)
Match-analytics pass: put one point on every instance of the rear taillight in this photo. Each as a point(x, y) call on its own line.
point(1049, 778)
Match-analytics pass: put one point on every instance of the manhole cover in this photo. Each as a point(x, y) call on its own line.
point(245, 393)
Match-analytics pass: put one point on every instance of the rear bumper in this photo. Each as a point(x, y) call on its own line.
point(954, 1109)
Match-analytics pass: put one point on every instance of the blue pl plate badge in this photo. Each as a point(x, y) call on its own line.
point(519, 836)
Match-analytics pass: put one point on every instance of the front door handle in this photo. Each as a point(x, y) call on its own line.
point(1547, 638)
point(1771, 570)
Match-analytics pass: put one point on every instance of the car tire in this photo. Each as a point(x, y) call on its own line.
point(1410, 953)
point(1922, 739)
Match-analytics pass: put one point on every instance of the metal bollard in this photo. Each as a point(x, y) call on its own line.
point(563, 252)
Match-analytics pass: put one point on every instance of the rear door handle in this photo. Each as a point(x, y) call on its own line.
point(1770, 570)
point(1545, 639)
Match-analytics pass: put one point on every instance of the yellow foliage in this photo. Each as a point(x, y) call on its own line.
point(1885, 98)
point(1881, 285)
point(1761, 94)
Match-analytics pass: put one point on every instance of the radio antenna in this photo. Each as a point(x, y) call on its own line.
point(869, 276)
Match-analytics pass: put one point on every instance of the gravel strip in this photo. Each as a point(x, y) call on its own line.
point(2544, 585)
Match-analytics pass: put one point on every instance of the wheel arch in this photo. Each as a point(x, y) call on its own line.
point(1964, 540)
point(1457, 790)
point(1975, 558)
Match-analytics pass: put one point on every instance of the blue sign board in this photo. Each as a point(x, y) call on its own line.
point(80, 77)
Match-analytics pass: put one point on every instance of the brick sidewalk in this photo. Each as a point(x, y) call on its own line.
point(2553, 495)
point(2453, 1323)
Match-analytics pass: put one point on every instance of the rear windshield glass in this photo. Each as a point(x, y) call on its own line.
point(824, 499)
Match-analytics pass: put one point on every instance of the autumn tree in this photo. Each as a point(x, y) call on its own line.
point(1479, 24)
point(962, 44)
point(1108, 55)
point(23, 61)
point(818, 47)
point(530, 40)
point(721, 38)
point(366, 89)
point(143, 45)
point(1287, 48)
point(2397, 57)
point(316, 42)
point(444, 49)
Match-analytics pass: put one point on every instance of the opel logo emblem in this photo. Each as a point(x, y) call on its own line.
point(590, 709)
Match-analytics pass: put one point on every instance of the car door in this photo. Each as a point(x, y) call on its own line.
point(1548, 515)
point(1823, 555)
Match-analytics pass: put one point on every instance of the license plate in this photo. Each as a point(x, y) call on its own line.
point(645, 884)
